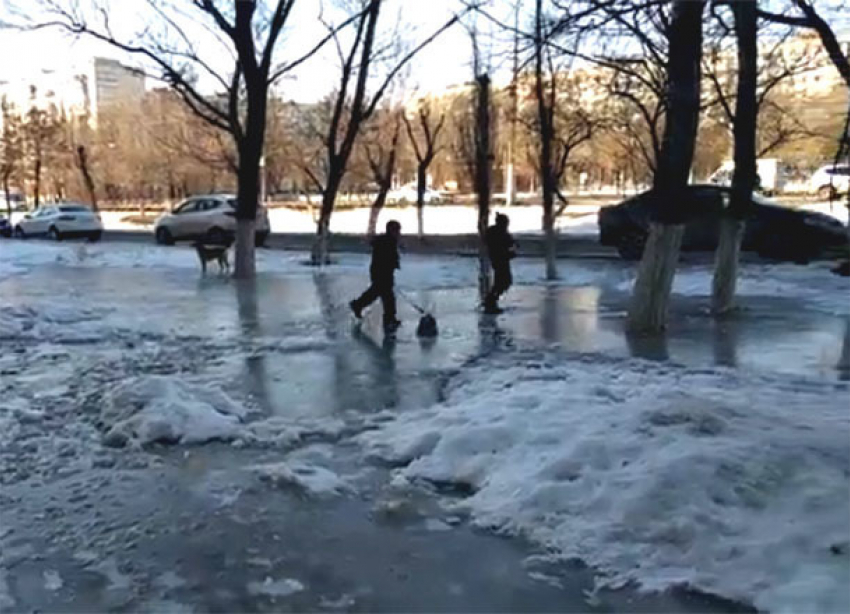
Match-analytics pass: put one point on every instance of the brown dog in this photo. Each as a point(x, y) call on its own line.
point(208, 253)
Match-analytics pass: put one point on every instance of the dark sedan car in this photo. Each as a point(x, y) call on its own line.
point(5, 227)
point(772, 231)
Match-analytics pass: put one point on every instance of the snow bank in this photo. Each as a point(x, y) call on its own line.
point(730, 483)
point(157, 408)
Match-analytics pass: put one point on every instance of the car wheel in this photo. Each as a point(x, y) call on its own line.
point(94, 237)
point(53, 234)
point(631, 244)
point(827, 192)
point(163, 236)
point(216, 236)
point(19, 233)
point(260, 239)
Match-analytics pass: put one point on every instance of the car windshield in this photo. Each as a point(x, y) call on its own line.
point(73, 209)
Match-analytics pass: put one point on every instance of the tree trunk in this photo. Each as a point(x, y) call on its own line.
point(421, 181)
point(320, 254)
point(744, 175)
point(655, 278)
point(510, 182)
point(83, 161)
point(8, 197)
point(546, 129)
point(377, 206)
point(551, 247)
point(37, 183)
point(245, 250)
point(246, 210)
point(483, 161)
point(651, 294)
point(726, 261)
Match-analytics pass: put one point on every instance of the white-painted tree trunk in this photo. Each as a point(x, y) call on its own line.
point(319, 255)
point(551, 246)
point(725, 281)
point(651, 294)
point(245, 255)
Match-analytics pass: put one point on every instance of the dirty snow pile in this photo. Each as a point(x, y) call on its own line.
point(732, 483)
point(155, 408)
point(311, 479)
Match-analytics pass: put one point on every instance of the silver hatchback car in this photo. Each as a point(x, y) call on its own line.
point(211, 218)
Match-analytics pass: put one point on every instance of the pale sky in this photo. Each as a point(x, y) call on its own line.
point(445, 62)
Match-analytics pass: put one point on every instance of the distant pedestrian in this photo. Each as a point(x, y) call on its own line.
point(385, 261)
point(501, 249)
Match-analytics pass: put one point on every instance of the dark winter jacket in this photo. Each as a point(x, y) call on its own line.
point(500, 246)
point(385, 258)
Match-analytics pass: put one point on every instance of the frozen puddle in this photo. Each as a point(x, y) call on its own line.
point(726, 482)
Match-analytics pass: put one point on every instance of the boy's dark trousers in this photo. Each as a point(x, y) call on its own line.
point(382, 287)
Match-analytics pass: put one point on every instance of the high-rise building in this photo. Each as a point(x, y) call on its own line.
point(115, 83)
point(81, 92)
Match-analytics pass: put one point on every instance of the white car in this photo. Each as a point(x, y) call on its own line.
point(829, 181)
point(59, 221)
point(408, 194)
point(211, 218)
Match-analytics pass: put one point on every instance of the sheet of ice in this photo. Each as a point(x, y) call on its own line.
point(733, 483)
point(54, 322)
point(160, 408)
point(309, 478)
point(7, 603)
point(814, 284)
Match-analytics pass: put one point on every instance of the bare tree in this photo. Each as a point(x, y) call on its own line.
point(11, 150)
point(744, 174)
point(424, 138)
point(809, 17)
point(483, 175)
point(381, 146)
point(353, 105)
point(83, 163)
point(751, 96)
point(39, 132)
point(546, 101)
point(168, 43)
point(648, 309)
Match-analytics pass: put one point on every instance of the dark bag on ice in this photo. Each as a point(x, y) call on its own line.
point(427, 326)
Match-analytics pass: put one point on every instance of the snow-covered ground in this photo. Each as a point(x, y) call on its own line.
point(732, 481)
point(579, 218)
point(440, 220)
point(658, 475)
